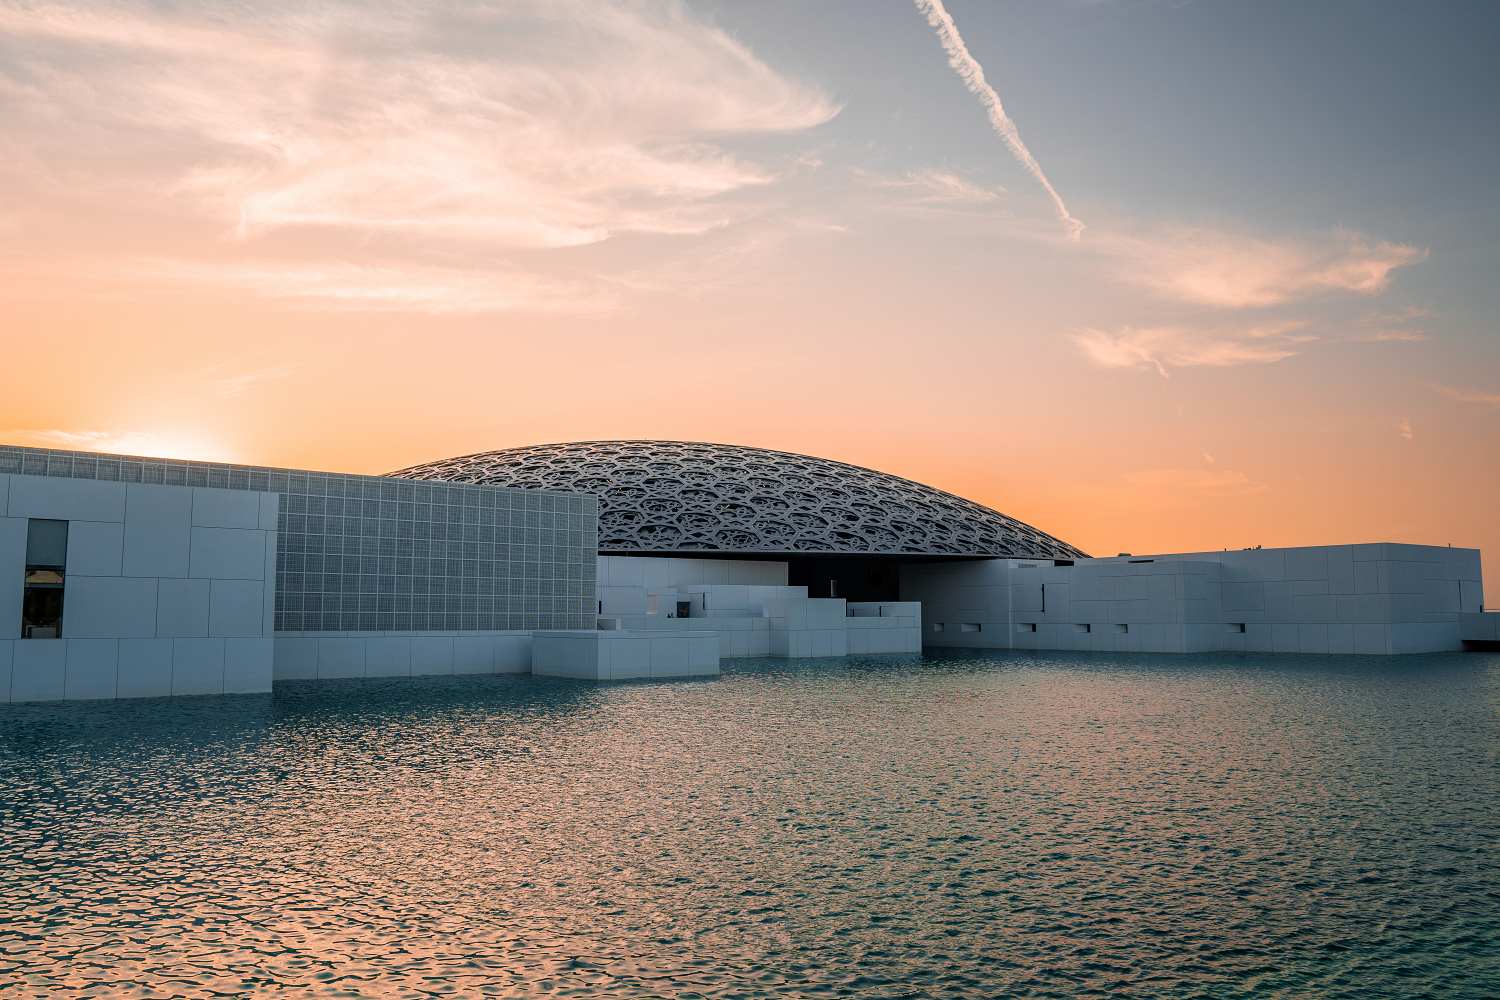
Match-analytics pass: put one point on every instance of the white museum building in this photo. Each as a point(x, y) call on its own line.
point(125, 576)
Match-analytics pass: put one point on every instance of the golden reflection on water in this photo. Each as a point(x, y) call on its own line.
point(887, 827)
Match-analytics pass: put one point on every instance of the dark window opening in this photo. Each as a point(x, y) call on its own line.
point(46, 565)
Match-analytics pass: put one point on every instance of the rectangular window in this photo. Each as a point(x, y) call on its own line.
point(1026, 627)
point(46, 563)
point(937, 626)
point(1237, 628)
point(1083, 629)
point(968, 627)
point(1122, 628)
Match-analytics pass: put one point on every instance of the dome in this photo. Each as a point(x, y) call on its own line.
point(686, 497)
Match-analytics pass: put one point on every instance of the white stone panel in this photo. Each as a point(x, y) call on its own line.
point(145, 668)
point(12, 574)
point(388, 656)
point(432, 655)
point(227, 554)
point(157, 530)
point(114, 607)
point(1371, 638)
point(91, 668)
point(236, 608)
point(512, 654)
point(296, 658)
point(95, 548)
point(268, 578)
point(66, 499)
point(270, 509)
point(215, 508)
point(248, 665)
point(182, 608)
point(38, 667)
point(341, 656)
point(197, 666)
point(473, 654)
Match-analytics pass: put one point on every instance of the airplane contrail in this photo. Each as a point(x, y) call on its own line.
point(972, 74)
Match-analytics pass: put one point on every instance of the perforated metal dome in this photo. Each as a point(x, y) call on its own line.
point(678, 496)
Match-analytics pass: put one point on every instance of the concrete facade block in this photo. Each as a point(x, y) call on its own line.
point(1312, 638)
point(12, 575)
point(270, 509)
point(214, 508)
point(95, 548)
point(432, 655)
point(295, 658)
point(92, 666)
point(145, 668)
point(1371, 638)
point(197, 666)
point(227, 554)
point(38, 668)
point(340, 657)
point(113, 607)
point(7, 656)
point(512, 654)
point(66, 499)
point(473, 655)
point(182, 608)
point(388, 656)
point(249, 665)
point(236, 608)
point(158, 530)
point(1340, 637)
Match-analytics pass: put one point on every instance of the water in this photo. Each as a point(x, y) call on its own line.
point(1015, 825)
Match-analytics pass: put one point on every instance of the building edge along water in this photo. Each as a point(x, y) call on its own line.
point(127, 576)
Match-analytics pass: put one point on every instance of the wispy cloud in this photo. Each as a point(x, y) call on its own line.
point(342, 285)
point(1164, 348)
point(1234, 271)
point(398, 127)
point(1478, 397)
point(1185, 484)
point(932, 186)
point(1403, 429)
point(972, 75)
point(1391, 337)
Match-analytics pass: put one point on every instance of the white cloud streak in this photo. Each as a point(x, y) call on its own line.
point(1233, 271)
point(384, 130)
point(1164, 348)
point(972, 75)
point(1476, 397)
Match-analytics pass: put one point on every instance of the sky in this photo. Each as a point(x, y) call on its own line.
point(1152, 276)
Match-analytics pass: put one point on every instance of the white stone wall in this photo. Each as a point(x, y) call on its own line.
point(884, 627)
point(625, 581)
point(1479, 626)
point(169, 590)
point(1378, 598)
point(625, 655)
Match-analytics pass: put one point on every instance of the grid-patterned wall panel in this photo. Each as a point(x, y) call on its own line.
point(368, 553)
point(682, 496)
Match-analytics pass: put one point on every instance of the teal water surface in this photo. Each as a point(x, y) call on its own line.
point(962, 825)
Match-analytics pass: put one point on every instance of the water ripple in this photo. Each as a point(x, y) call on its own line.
point(955, 826)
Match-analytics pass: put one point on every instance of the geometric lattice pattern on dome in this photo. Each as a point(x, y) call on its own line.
point(680, 496)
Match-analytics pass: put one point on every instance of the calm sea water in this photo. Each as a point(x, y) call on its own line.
point(1016, 825)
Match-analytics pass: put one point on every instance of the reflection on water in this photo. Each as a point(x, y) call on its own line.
point(1046, 825)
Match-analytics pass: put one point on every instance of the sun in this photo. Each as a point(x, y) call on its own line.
point(186, 445)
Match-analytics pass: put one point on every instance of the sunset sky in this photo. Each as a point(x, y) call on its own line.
point(1219, 274)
